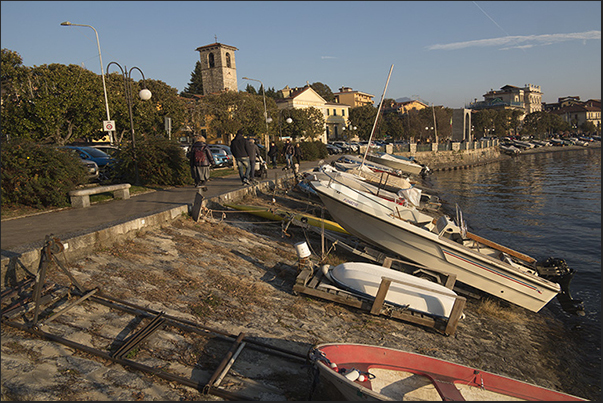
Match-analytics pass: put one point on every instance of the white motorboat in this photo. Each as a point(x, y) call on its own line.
point(447, 247)
point(378, 174)
point(397, 162)
point(509, 149)
point(408, 194)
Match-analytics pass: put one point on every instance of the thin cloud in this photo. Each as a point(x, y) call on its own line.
point(328, 57)
point(519, 42)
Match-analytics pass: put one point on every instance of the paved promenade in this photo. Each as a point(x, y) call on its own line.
point(27, 233)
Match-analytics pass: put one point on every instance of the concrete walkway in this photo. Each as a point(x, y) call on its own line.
point(25, 234)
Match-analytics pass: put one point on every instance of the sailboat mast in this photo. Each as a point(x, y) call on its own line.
point(377, 117)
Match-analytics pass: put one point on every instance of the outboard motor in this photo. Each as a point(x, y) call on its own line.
point(557, 271)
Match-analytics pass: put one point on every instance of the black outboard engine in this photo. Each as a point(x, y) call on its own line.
point(557, 271)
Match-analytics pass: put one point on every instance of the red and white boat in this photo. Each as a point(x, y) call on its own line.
point(365, 372)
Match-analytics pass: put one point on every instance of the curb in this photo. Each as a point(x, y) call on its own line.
point(80, 246)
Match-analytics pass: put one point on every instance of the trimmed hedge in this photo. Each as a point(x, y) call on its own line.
point(39, 175)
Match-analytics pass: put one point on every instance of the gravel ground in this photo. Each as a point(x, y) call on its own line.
point(234, 273)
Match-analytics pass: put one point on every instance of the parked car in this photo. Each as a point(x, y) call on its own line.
point(104, 161)
point(220, 159)
point(222, 149)
point(91, 166)
point(332, 149)
point(107, 149)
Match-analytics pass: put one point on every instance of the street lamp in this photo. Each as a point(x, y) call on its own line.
point(100, 57)
point(265, 112)
point(144, 94)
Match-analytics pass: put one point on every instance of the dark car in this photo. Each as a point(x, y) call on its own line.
point(104, 161)
point(91, 167)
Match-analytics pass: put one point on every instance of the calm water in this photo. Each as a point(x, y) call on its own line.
point(545, 205)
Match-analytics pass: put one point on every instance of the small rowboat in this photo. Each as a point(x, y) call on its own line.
point(279, 215)
point(365, 372)
point(415, 293)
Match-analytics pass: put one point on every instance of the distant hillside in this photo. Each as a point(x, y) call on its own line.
point(406, 99)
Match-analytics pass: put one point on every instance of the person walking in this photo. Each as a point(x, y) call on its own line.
point(288, 151)
point(297, 157)
point(239, 151)
point(254, 154)
point(273, 153)
point(200, 160)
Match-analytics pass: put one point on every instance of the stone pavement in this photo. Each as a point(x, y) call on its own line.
point(27, 233)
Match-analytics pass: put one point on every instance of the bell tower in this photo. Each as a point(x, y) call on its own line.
point(218, 68)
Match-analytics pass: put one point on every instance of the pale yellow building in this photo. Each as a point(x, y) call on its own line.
point(347, 96)
point(336, 115)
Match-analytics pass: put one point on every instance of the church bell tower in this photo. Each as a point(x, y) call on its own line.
point(218, 68)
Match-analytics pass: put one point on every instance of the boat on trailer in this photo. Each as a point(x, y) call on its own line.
point(406, 291)
point(365, 372)
point(442, 244)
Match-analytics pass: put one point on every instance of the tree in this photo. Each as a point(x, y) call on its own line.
point(306, 122)
point(324, 91)
point(195, 85)
point(250, 89)
point(363, 117)
point(55, 103)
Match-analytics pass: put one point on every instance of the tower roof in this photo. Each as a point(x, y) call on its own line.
point(215, 45)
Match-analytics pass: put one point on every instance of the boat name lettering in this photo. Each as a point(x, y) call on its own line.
point(352, 202)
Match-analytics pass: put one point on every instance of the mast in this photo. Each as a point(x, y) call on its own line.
point(376, 117)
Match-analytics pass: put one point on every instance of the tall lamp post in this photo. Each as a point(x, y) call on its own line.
point(144, 94)
point(265, 112)
point(100, 57)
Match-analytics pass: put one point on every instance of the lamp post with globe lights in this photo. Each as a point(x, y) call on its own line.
point(144, 94)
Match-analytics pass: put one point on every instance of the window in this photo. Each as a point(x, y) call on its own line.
point(343, 112)
point(210, 59)
point(334, 112)
point(328, 112)
point(227, 59)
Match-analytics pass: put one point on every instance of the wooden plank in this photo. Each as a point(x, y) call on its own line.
point(501, 248)
point(455, 315)
point(380, 297)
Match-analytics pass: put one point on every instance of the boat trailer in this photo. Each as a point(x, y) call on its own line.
point(19, 301)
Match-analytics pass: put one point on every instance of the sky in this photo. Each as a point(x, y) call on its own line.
point(445, 53)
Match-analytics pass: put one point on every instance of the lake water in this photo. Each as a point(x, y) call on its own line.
point(544, 205)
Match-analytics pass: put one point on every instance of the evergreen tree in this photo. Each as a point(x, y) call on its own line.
point(195, 86)
point(250, 89)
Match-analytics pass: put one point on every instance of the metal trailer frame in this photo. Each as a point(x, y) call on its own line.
point(42, 296)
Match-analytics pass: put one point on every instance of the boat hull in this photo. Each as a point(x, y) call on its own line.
point(279, 215)
point(396, 163)
point(401, 375)
point(416, 293)
point(376, 225)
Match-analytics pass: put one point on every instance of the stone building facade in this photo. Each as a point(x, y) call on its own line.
point(218, 68)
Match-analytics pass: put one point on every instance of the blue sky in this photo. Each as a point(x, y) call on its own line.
point(446, 53)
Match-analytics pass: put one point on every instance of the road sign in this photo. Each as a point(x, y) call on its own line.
point(108, 125)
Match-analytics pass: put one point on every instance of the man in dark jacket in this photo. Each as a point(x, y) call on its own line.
point(273, 153)
point(254, 154)
point(200, 160)
point(238, 148)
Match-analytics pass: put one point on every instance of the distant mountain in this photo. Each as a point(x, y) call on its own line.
point(406, 99)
